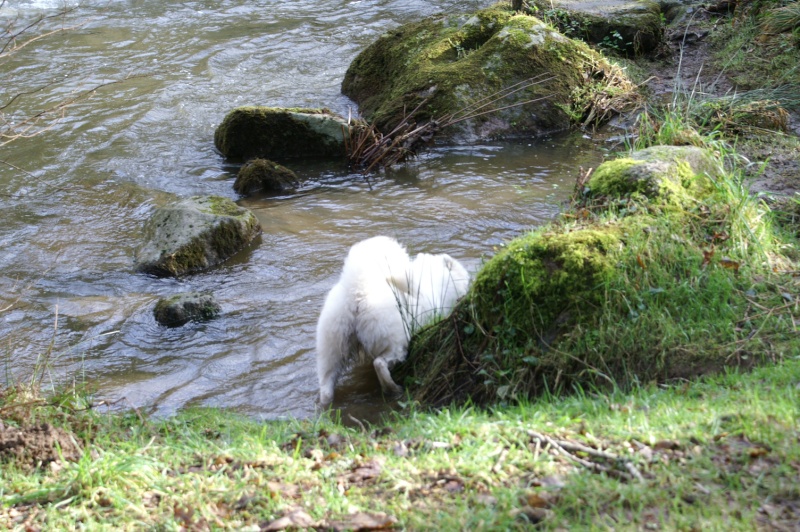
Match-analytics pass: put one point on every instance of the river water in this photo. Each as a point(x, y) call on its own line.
point(74, 198)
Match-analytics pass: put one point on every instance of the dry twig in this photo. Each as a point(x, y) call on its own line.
point(617, 466)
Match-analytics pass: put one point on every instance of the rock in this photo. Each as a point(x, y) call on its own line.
point(673, 174)
point(180, 309)
point(452, 63)
point(558, 270)
point(628, 27)
point(263, 174)
point(194, 234)
point(281, 133)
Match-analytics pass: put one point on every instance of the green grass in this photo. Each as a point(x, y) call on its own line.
point(721, 453)
point(758, 49)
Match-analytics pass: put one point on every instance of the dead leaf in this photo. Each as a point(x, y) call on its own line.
point(364, 521)
point(707, 256)
point(281, 490)
point(361, 473)
point(533, 515)
point(535, 500)
point(453, 485)
point(756, 452)
point(150, 499)
point(297, 518)
point(668, 445)
point(729, 264)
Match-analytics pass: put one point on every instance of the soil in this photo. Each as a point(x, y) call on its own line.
point(685, 65)
point(37, 446)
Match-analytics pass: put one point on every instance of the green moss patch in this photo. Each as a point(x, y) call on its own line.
point(678, 175)
point(194, 234)
point(622, 26)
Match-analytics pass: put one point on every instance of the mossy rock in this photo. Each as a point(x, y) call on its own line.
point(534, 290)
point(556, 273)
point(458, 63)
point(656, 294)
point(628, 27)
point(194, 234)
point(281, 133)
point(180, 309)
point(264, 175)
point(677, 175)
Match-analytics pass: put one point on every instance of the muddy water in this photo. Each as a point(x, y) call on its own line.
point(73, 204)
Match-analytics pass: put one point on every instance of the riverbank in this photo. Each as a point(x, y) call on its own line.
point(720, 453)
point(717, 453)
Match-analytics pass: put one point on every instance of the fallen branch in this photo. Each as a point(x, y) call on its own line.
point(618, 467)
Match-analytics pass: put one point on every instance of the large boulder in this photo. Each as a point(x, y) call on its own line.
point(281, 133)
point(460, 66)
point(194, 234)
point(603, 296)
point(628, 27)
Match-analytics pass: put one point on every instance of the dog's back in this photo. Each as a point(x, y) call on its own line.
point(362, 314)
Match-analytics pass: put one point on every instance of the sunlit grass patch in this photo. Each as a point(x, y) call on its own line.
point(720, 452)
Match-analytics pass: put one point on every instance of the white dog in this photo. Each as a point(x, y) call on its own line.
point(380, 299)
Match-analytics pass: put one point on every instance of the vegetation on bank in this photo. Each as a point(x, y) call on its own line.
point(638, 280)
point(720, 453)
point(710, 276)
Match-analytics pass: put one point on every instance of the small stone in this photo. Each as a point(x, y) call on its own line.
point(182, 308)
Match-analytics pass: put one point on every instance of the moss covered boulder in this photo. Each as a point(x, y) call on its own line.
point(659, 290)
point(194, 234)
point(180, 309)
point(557, 273)
point(457, 66)
point(629, 27)
point(531, 293)
point(264, 175)
point(672, 174)
point(281, 133)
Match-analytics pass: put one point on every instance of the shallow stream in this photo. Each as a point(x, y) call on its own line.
point(73, 199)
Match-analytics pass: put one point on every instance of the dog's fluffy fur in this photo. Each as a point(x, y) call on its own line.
point(381, 297)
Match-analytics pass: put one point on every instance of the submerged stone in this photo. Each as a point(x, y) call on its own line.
point(180, 309)
point(674, 174)
point(629, 27)
point(194, 234)
point(281, 133)
point(500, 73)
point(266, 175)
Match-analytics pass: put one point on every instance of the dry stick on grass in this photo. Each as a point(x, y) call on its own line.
point(624, 468)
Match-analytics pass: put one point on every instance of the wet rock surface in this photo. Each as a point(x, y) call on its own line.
point(194, 234)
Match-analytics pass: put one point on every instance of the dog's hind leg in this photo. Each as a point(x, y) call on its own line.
point(334, 341)
point(383, 364)
point(382, 370)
